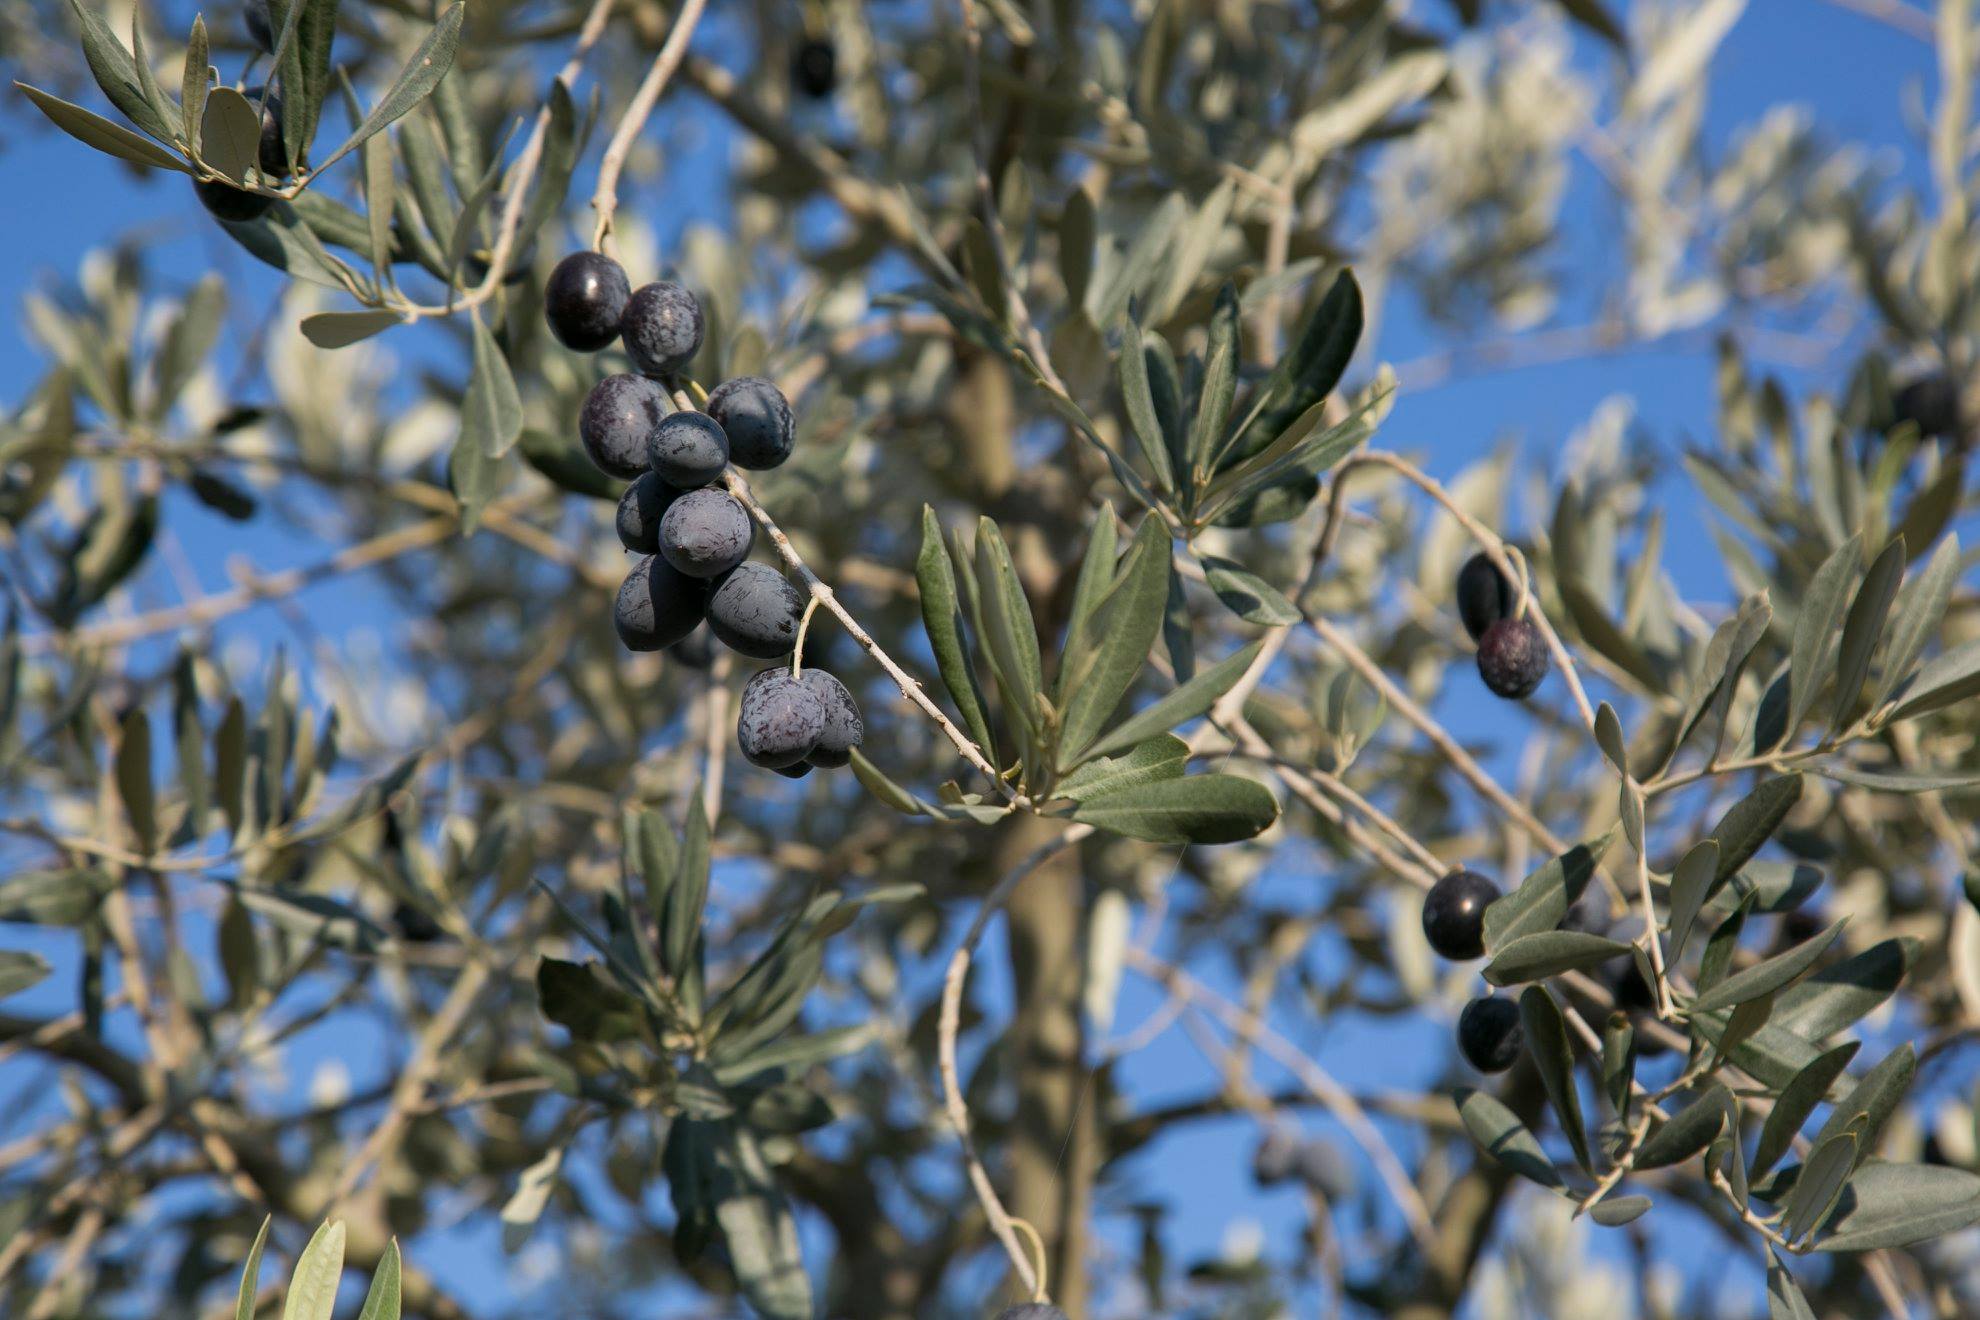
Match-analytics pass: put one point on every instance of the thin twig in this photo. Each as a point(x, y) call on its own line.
point(265, 587)
point(1447, 746)
point(1908, 19)
point(408, 1092)
point(1338, 1100)
point(950, 1025)
point(527, 163)
point(605, 199)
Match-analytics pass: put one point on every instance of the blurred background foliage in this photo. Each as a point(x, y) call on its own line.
point(337, 823)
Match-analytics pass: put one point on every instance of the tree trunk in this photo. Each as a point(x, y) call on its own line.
point(1052, 1145)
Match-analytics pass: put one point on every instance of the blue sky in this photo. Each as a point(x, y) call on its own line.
point(1854, 73)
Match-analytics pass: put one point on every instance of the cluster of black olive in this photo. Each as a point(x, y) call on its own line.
point(692, 535)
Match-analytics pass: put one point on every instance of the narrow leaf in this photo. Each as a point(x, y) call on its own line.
point(250, 1287)
point(134, 780)
point(1247, 595)
point(1164, 756)
point(1137, 395)
point(1820, 1185)
point(1620, 1210)
point(230, 133)
point(1544, 897)
point(1751, 821)
point(1553, 1057)
point(194, 80)
point(1843, 993)
point(20, 970)
point(1310, 369)
point(381, 1300)
point(341, 329)
point(1548, 953)
point(1766, 977)
point(1952, 677)
point(1870, 1104)
point(1898, 1205)
point(1128, 621)
point(312, 1291)
point(1692, 882)
point(935, 576)
point(1815, 628)
point(491, 412)
point(1500, 1134)
point(1864, 628)
point(116, 73)
point(1186, 703)
point(1688, 1132)
point(94, 130)
point(428, 65)
point(1220, 371)
point(1212, 808)
point(1784, 1299)
point(1798, 1099)
point(1012, 635)
point(1920, 608)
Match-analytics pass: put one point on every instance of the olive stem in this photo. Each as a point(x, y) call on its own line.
point(1037, 1245)
point(804, 626)
point(1651, 936)
point(1625, 1161)
point(822, 594)
point(1504, 557)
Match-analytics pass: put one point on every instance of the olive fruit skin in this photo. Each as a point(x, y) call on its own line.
point(641, 508)
point(1931, 403)
point(755, 610)
point(661, 327)
point(688, 449)
point(1484, 596)
point(1589, 916)
point(415, 925)
point(815, 68)
point(272, 152)
point(1512, 659)
point(778, 721)
point(226, 202)
point(261, 30)
point(1454, 914)
point(657, 606)
point(844, 729)
point(696, 650)
point(705, 533)
point(798, 771)
point(1625, 983)
point(1490, 1035)
point(617, 423)
point(1321, 1167)
point(757, 418)
point(584, 299)
point(1275, 1159)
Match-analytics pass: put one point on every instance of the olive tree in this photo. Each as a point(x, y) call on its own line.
point(1078, 596)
